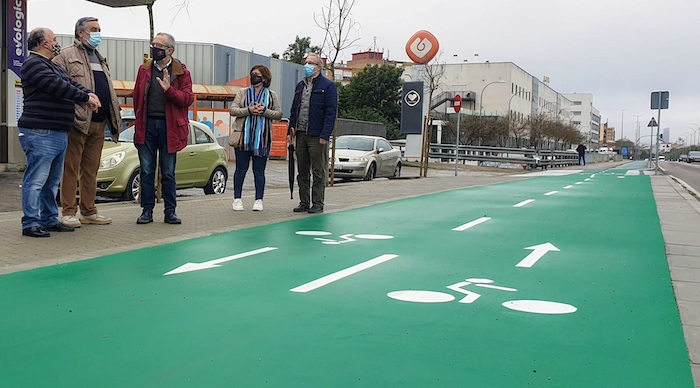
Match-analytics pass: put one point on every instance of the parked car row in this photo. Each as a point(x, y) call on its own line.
point(202, 163)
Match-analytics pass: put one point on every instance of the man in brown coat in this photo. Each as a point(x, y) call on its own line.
point(86, 66)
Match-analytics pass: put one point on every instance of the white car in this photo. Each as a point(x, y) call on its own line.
point(365, 157)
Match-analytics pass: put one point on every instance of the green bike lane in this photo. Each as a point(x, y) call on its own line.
point(436, 290)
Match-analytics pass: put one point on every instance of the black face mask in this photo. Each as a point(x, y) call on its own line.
point(157, 53)
point(255, 79)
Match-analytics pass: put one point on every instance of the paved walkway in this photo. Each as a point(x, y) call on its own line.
point(679, 215)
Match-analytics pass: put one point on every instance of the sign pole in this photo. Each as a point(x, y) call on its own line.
point(457, 107)
point(658, 128)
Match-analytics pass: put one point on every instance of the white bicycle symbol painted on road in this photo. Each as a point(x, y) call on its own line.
point(527, 306)
point(345, 238)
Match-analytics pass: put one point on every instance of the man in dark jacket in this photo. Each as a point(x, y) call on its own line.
point(49, 98)
point(311, 124)
point(581, 149)
point(162, 96)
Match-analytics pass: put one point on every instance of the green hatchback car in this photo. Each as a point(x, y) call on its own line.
point(202, 163)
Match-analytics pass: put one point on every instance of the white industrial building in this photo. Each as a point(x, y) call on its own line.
point(500, 89)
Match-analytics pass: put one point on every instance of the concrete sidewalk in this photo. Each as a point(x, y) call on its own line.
point(679, 215)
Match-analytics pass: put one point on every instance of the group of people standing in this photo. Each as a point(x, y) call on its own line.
point(70, 102)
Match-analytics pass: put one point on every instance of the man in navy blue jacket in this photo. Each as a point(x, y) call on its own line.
point(47, 116)
point(311, 123)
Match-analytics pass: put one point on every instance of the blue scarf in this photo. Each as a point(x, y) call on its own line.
point(256, 136)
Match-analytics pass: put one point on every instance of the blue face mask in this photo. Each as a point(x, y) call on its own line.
point(309, 70)
point(95, 39)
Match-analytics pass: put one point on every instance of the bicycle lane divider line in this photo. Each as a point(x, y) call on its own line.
point(328, 279)
point(551, 193)
point(471, 224)
point(523, 203)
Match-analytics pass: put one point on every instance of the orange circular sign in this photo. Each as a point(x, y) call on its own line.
point(422, 47)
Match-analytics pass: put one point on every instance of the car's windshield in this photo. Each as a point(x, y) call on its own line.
point(694, 153)
point(127, 135)
point(354, 143)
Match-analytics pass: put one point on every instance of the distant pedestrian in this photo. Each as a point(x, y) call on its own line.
point(311, 123)
point(254, 108)
point(162, 97)
point(85, 140)
point(581, 149)
point(49, 98)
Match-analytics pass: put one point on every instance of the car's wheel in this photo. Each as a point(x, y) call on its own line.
point(217, 182)
point(132, 186)
point(397, 170)
point(371, 172)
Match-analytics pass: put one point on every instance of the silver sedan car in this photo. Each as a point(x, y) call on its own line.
point(365, 157)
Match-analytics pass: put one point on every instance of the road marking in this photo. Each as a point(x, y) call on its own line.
point(568, 187)
point(523, 203)
point(189, 267)
point(318, 283)
point(468, 225)
point(538, 251)
point(551, 193)
point(578, 183)
point(587, 179)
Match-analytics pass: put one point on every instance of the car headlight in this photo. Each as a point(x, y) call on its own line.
point(360, 159)
point(112, 160)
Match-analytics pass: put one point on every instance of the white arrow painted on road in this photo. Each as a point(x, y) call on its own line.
point(189, 267)
point(537, 252)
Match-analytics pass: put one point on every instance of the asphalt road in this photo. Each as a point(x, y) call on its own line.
point(687, 172)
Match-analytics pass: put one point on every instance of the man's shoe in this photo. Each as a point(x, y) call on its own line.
point(302, 208)
point(237, 204)
point(146, 217)
point(172, 218)
point(59, 227)
point(71, 221)
point(257, 205)
point(97, 219)
point(316, 209)
point(35, 231)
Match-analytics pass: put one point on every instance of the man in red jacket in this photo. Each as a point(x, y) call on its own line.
point(162, 96)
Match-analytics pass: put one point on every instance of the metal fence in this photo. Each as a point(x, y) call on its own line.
point(527, 158)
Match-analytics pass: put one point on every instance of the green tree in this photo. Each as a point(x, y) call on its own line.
point(298, 50)
point(374, 94)
point(275, 55)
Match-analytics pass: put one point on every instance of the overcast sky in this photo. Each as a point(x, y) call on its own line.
point(619, 50)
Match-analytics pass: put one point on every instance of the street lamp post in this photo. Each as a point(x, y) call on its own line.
point(636, 136)
point(695, 141)
point(481, 100)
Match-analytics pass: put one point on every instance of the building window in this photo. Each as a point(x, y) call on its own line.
point(577, 102)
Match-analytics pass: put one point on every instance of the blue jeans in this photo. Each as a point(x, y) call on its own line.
point(156, 145)
point(242, 163)
point(45, 151)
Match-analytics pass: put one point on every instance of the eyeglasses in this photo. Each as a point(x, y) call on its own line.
point(160, 46)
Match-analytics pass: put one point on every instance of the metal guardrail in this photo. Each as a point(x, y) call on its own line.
point(528, 157)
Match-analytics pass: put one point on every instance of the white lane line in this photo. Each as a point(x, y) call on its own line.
point(468, 225)
point(318, 283)
point(578, 183)
point(551, 193)
point(587, 179)
point(568, 187)
point(523, 203)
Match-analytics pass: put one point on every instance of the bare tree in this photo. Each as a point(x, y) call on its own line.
point(341, 30)
point(431, 74)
